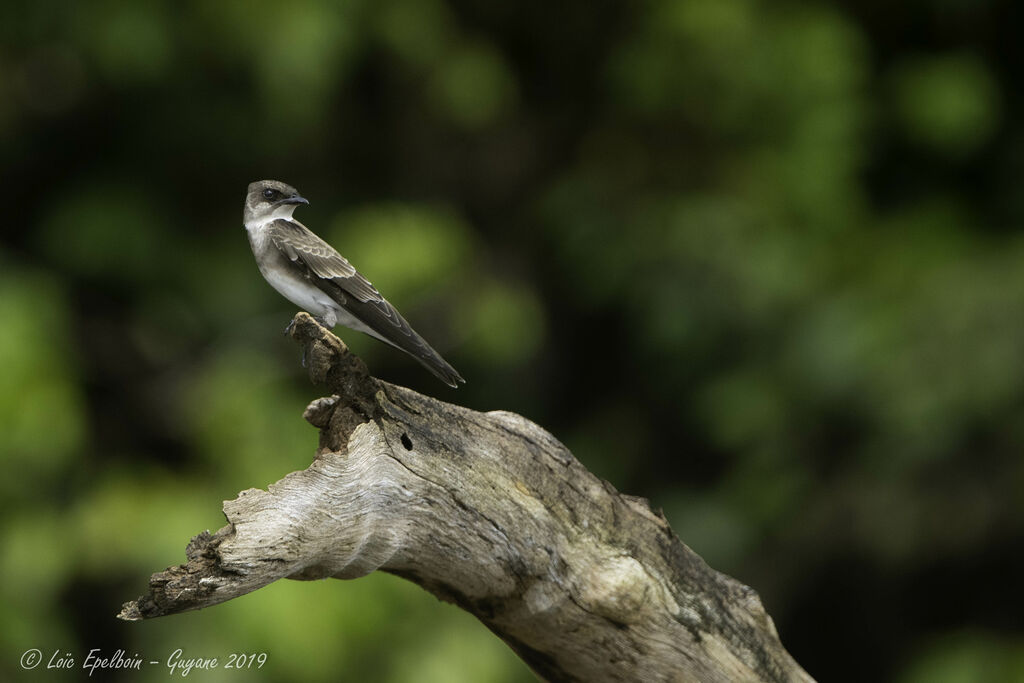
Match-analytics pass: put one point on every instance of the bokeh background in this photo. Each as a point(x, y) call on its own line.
point(760, 262)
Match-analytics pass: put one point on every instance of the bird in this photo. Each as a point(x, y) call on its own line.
point(311, 274)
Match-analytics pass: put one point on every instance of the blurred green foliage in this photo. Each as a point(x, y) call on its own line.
point(40, 383)
point(760, 262)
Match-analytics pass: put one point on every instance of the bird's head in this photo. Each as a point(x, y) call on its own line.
point(268, 199)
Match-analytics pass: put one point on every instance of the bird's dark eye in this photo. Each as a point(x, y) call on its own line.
point(268, 193)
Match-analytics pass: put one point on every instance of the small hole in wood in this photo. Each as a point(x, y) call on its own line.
point(406, 441)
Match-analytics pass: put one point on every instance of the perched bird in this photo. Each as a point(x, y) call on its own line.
point(312, 275)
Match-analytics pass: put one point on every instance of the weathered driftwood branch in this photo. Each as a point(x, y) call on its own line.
point(490, 512)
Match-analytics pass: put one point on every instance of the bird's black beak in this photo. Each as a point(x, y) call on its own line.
point(295, 199)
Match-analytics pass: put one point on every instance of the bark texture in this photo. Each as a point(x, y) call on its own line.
point(492, 513)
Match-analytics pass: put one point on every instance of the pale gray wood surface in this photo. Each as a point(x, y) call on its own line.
point(490, 512)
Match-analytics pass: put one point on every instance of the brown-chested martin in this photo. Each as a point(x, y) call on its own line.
point(314, 276)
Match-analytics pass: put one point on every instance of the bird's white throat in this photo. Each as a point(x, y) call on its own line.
point(284, 211)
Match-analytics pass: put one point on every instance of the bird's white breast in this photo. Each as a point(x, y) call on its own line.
point(291, 286)
point(299, 292)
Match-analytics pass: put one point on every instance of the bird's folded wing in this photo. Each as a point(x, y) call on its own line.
point(389, 325)
point(300, 244)
point(329, 271)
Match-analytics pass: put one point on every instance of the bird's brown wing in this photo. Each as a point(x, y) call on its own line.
point(332, 273)
point(301, 245)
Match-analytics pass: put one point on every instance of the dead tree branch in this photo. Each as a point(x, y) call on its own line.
point(490, 512)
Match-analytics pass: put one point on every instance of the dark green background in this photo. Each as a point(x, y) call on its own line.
point(760, 262)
